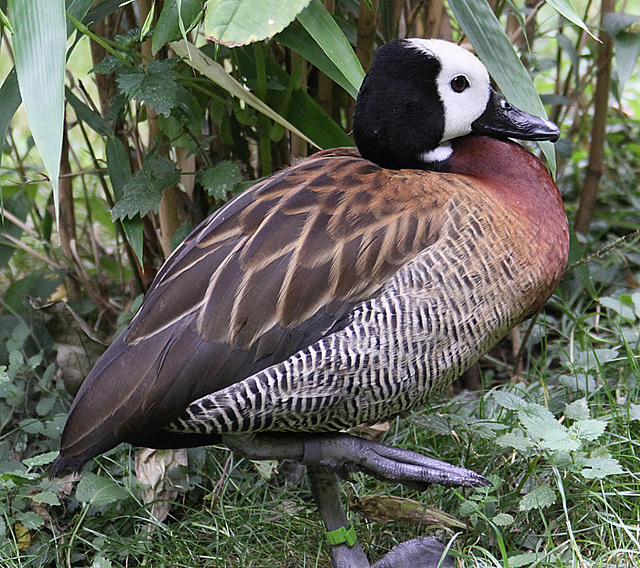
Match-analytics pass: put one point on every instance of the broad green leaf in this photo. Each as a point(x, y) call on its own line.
point(298, 39)
point(239, 22)
point(615, 22)
point(98, 490)
point(120, 173)
point(565, 8)
point(168, 26)
point(541, 497)
point(47, 497)
point(495, 50)
point(42, 459)
point(143, 192)
point(214, 71)
point(576, 254)
point(626, 48)
point(503, 519)
point(18, 205)
point(328, 35)
point(39, 43)
point(300, 108)
point(524, 559)
point(9, 92)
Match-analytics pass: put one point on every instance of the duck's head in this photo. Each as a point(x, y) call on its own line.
point(422, 93)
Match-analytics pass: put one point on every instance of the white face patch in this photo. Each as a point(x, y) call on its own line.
point(461, 109)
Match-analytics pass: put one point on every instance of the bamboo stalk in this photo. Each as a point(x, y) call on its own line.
point(595, 167)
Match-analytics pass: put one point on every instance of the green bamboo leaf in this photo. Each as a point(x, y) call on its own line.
point(10, 93)
point(626, 48)
point(214, 71)
point(328, 35)
point(298, 39)
point(174, 13)
point(239, 22)
point(40, 42)
point(494, 49)
point(565, 8)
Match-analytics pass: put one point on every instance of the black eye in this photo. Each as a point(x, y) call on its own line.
point(459, 83)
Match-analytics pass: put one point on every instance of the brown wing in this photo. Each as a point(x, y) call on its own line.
point(270, 273)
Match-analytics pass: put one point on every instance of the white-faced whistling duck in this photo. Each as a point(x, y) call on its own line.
point(346, 289)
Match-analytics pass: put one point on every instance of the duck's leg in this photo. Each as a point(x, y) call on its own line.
point(345, 454)
point(346, 552)
point(328, 456)
point(326, 492)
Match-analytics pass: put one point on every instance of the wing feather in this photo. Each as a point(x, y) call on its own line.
point(268, 274)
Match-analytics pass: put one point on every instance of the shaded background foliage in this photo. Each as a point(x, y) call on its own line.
point(158, 127)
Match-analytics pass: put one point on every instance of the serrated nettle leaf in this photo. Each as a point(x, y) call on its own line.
point(548, 433)
point(541, 497)
point(588, 429)
point(577, 410)
point(515, 441)
point(239, 22)
point(503, 519)
point(101, 562)
point(143, 192)
point(41, 459)
point(46, 497)
point(537, 410)
point(509, 400)
point(30, 520)
point(98, 490)
point(155, 85)
point(600, 467)
point(220, 179)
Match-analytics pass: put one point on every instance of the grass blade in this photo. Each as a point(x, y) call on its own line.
point(40, 42)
